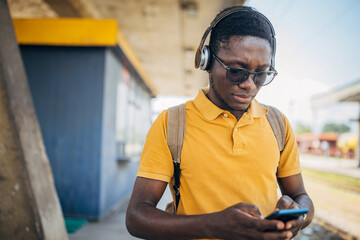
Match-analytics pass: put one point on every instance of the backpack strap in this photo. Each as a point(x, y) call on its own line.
point(175, 137)
point(277, 124)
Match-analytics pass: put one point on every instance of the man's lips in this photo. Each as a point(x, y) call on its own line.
point(243, 98)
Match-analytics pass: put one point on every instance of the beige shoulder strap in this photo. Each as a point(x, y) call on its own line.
point(176, 130)
point(277, 124)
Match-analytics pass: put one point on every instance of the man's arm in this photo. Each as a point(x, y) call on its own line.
point(295, 196)
point(240, 221)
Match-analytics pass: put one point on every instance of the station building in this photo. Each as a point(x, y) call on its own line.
point(92, 99)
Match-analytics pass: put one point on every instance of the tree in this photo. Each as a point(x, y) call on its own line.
point(334, 127)
point(301, 128)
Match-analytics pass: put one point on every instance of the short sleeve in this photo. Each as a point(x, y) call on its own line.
point(289, 160)
point(156, 162)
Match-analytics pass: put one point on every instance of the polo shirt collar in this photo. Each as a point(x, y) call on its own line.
point(257, 110)
point(210, 111)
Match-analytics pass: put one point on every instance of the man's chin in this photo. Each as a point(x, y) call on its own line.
point(240, 106)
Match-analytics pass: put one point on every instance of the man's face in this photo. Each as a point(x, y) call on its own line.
point(251, 53)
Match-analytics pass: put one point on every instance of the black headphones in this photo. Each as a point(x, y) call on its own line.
point(203, 53)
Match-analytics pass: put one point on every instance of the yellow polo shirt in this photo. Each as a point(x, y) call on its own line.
point(223, 161)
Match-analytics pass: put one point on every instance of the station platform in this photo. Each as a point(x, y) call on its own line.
point(113, 226)
point(342, 166)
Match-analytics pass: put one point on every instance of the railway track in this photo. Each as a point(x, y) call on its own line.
point(336, 202)
point(334, 230)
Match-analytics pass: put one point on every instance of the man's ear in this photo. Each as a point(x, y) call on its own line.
point(209, 70)
point(210, 65)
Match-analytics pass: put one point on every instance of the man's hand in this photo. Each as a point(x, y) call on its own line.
point(295, 196)
point(285, 202)
point(244, 221)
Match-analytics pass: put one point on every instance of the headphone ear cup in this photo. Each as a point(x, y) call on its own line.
point(206, 58)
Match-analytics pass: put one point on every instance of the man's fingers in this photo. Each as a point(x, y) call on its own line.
point(277, 235)
point(296, 223)
point(270, 225)
point(284, 202)
point(283, 235)
point(252, 210)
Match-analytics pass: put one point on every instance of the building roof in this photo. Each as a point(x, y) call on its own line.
point(347, 93)
point(79, 32)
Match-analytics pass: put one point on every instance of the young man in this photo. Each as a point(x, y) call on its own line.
point(230, 160)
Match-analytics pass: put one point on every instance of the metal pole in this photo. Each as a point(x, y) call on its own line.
point(358, 142)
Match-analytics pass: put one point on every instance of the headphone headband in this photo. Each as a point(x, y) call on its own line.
point(202, 55)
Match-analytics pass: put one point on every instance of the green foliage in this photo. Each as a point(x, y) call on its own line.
point(337, 128)
point(302, 129)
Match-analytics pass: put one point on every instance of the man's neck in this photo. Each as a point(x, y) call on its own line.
point(222, 104)
point(238, 114)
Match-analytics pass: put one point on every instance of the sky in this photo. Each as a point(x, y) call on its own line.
point(317, 50)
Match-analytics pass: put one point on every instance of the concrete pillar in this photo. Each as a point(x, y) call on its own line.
point(29, 206)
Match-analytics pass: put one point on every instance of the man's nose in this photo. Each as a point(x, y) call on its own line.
point(249, 83)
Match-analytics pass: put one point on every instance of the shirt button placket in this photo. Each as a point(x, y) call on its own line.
point(238, 140)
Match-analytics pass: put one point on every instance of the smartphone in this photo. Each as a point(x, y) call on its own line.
point(287, 214)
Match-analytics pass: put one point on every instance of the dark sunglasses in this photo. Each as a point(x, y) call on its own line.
point(238, 75)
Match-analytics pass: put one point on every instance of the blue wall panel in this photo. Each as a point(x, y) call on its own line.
point(75, 95)
point(67, 89)
point(117, 179)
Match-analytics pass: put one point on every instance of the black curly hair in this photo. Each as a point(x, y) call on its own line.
point(242, 23)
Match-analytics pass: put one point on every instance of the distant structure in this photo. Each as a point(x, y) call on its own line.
point(327, 144)
point(348, 93)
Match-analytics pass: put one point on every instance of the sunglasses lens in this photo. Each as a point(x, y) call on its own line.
point(260, 78)
point(237, 76)
point(264, 78)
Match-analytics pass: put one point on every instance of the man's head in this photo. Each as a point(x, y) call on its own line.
point(246, 22)
point(241, 50)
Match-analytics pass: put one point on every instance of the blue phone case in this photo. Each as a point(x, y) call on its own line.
point(287, 214)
